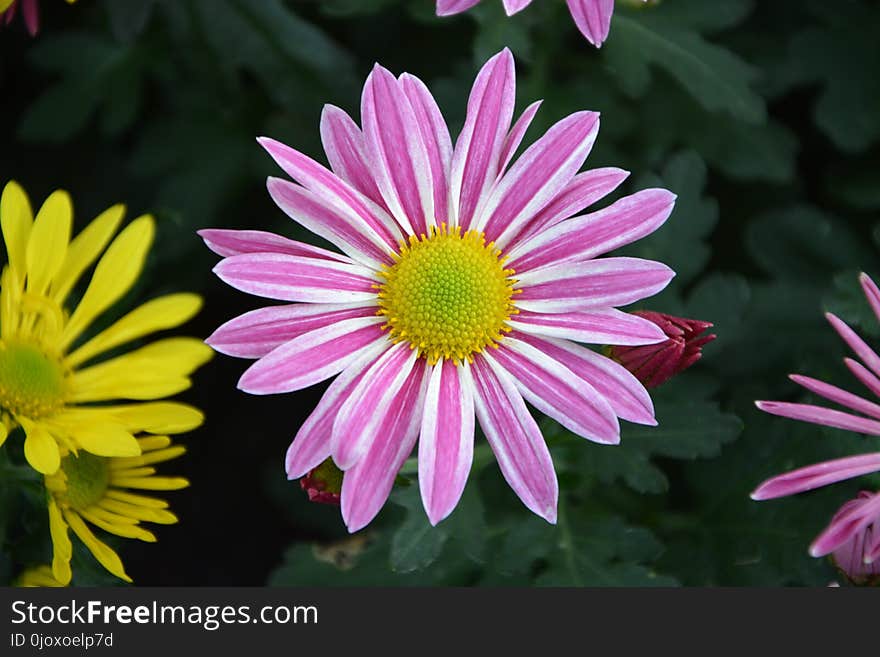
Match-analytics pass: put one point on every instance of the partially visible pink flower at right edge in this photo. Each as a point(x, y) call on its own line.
point(592, 17)
point(853, 536)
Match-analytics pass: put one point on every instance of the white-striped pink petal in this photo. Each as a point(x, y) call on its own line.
point(837, 395)
point(817, 475)
point(312, 357)
point(554, 389)
point(293, 278)
point(346, 151)
point(435, 135)
point(625, 394)
point(333, 189)
point(344, 230)
point(312, 444)
point(593, 18)
point(862, 350)
point(605, 326)
point(367, 484)
point(478, 148)
point(862, 373)
point(872, 293)
point(538, 176)
point(360, 417)
point(517, 132)
point(591, 284)
point(397, 151)
point(450, 7)
point(584, 189)
point(821, 415)
point(846, 524)
point(515, 439)
point(254, 334)
point(513, 6)
point(581, 238)
point(446, 441)
point(226, 243)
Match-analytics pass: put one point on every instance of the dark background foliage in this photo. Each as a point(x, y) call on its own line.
point(764, 117)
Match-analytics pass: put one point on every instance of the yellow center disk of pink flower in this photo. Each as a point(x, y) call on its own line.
point(447, 294)
point(32, 384)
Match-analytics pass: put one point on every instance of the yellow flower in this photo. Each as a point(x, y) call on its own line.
point(38, 576)
point(97, 490)
point(61, 387)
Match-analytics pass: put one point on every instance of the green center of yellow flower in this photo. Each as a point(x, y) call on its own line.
point(31, 382)
point(447, 294)
point(86, 479)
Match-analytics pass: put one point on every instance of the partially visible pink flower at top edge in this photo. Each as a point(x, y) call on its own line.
point(592, 17)
point(30, 12)
point(864, 419)
point(859, 556)
point(654, 364)
point(464, 279)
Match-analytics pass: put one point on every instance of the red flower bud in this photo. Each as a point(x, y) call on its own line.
point(653, 364)
point(323, 484)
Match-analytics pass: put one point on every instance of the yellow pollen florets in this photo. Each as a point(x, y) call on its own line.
point(447, 294)
point(81, 481)
point(32, 383)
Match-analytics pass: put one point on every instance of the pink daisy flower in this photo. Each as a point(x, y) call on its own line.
point(592, 17)
point(464, 286)
point(855, 518)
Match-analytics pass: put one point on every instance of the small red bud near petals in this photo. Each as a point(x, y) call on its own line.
point(323, 484)
point(653, 364)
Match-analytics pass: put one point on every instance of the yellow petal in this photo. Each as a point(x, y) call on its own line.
point(105, 556)
point(157, 456)
point(62, 549)
point(148, 514)
point(115, 274)
point(47, 247)
point(132, 498)
point(84, 250)
point(149, 443)
point(156, 315)
point(105, 440)
point(158, 370)
point(4, 433)
point(16, 218)
point(124, 529)
point(40, 448)
point(151, 483)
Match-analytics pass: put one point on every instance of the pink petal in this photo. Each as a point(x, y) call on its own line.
point(294, 278)
point(816, 476)
point(517, 132)
point(360, 418)
point(820, 415)
point(584, 189)
point(604, 326)
point(861, 372)
point(312, 444)
point(557, 391)
point(435, 135)
point(869, 356)
point(593, 18)
point(351, 235)
point(837, 395)
point(254, 334)
point(30, 11)
point(236, 242)
point(450, 7)
point(871, 292)
point(515, 439)
point(581, 238)
point(347, 153)
point(591, 284)
point(477, 155)
point(627, 397)
point(394, 142)
point(845, 525)
point(446, 442)
point(513, 6)
point(367, 484)
point(538, 176)
point(312, 357)
point(334, 191)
